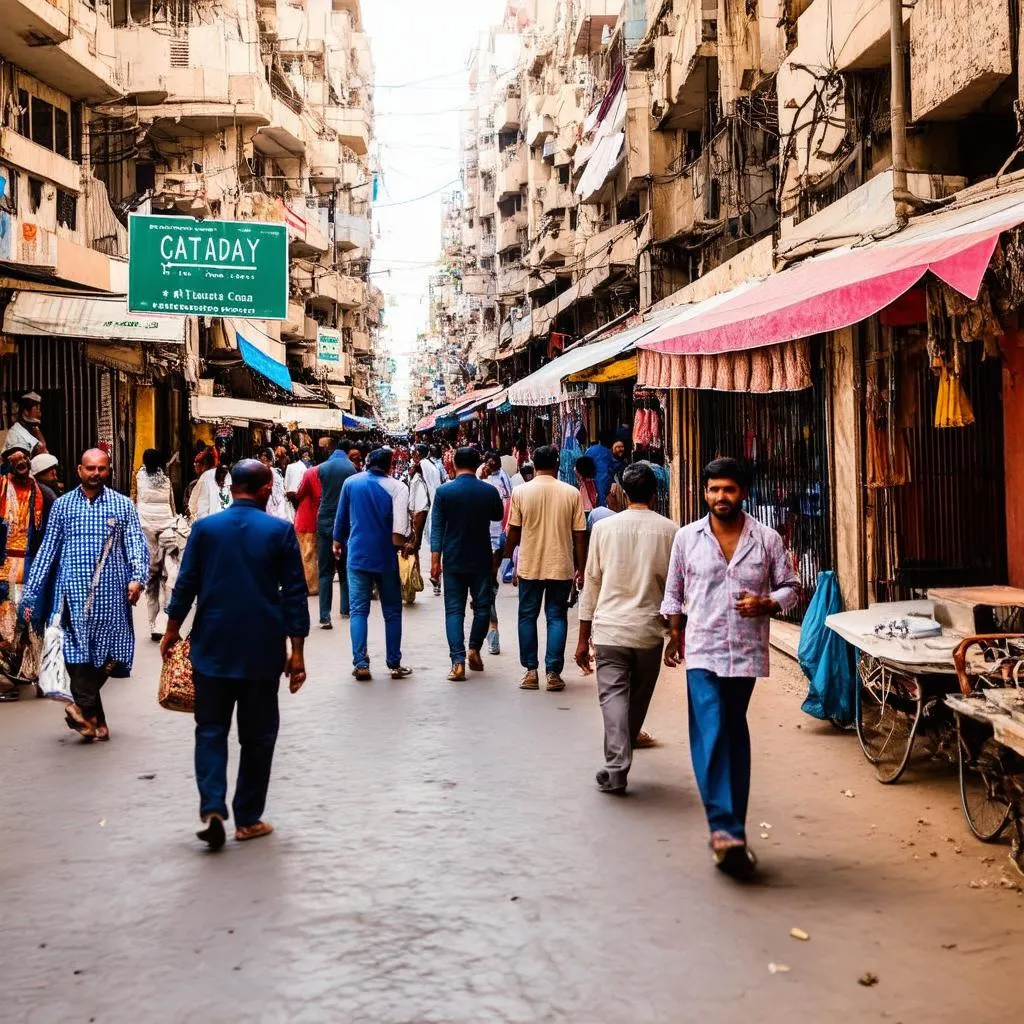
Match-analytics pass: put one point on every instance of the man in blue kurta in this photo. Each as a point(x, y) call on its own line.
point(95, 557)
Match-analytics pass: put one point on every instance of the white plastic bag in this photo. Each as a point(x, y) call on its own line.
point(54, 681)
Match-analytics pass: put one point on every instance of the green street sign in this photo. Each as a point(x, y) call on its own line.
point(207, 267)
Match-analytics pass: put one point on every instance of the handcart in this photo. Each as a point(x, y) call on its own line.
point(902, 687)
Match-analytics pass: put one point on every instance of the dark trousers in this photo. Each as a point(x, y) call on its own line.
point(555, 596)
point(327, 566)
point(86, 683)
point(258, 721)
point(457, 586)
point(720, 747)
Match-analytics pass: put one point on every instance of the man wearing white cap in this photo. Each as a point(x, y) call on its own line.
point(26, 432)
point(44, 469)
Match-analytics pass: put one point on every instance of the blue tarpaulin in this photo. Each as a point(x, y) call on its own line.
point(826, 658)
point(264, 364)
point(350, 422)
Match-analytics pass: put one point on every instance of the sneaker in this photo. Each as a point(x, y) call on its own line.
point(555, 682)
point(530, 680)
point(400, 671)
point(493, 642)
point(326, 624)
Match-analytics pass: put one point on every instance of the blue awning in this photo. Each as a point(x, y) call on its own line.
point(264, 364)
point(350, 422)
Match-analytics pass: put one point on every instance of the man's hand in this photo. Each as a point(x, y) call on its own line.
point(295, 670)
point(754, 607)
point(134, 592)
point(674, 650)
point(583, 658)
point(578, 579)
point(338, 549)
point(409, 549)
point(170, 638)
point(435, 566)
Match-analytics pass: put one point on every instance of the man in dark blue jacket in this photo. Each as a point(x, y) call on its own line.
point(460, 547)
point(244, 571)
point(333, 474)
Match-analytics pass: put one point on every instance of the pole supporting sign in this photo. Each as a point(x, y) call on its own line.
point(207, 267)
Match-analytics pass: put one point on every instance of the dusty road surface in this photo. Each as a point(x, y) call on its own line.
point(442, 855)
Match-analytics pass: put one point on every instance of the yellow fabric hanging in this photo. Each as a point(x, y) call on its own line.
point(620, 369)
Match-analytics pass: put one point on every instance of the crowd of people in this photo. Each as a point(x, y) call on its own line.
point(282, 527)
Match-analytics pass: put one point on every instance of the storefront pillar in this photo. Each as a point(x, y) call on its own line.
point(845, 402)
point(1013, 453)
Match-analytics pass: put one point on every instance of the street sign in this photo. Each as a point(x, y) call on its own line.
point(179, 265)
point(328, 345)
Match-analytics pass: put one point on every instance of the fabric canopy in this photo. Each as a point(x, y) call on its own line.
point(98, 317)
point(350, 422)
point(471, 400)
point(263, 363)
point(544, 386)
point(843, 287)
point(238, 411)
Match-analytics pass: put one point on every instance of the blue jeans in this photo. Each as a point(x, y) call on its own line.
point(258, 722)
point(457, 587)
point(360, 590)
point(327, 565)
point(720, 747)
point(555, 595)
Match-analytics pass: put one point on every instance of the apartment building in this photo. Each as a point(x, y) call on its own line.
point(719, 166)
point(227, 109)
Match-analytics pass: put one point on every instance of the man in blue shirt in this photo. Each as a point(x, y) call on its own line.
point(604, 461)
point(460, 546)
point(333, 473)
point(243, 570)
point(371, 527)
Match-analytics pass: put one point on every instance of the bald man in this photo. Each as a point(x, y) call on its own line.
point(91, 570)
point(243, 570)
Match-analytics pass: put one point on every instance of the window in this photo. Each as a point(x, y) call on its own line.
point(563, 175)
point(67, 209)
point(76, 132)
point(62, 135)
point(35, 194)
point(9, 200)
point(42, 122)
point(145, 176)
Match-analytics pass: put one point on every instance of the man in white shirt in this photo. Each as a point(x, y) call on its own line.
point(433, 475)
point(493, 472)
point(620, 609)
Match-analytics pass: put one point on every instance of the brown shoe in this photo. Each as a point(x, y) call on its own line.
point(257, 831)
point(362, 675)
point(644, 740)
point(555, 682)
point(476, 663)
point(458, 672)
point(77, 721)
point(530, 680)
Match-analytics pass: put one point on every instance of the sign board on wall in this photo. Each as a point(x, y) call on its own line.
point(207, 267)
point(328, 346)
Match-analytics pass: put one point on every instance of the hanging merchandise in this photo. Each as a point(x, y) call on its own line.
point(953, 407)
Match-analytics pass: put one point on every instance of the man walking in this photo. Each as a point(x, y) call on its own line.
point(95, 557)
point(493, 472)
point(333, 473)
point(244, 572)
point(728, 575)
point(627, 567)
point(371, 527)
point(460, 553)
point(547, 523)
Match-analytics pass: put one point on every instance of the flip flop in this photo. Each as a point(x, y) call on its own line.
point(736, 861)
point(79, 723)
point(213, 835)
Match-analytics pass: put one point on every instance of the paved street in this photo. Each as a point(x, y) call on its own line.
point(442, 855)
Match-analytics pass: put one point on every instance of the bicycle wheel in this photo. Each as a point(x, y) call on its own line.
point(981, 769)
point(888, 713)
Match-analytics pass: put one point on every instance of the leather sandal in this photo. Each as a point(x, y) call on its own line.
point(257, 831)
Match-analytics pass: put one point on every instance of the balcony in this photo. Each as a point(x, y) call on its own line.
point(352, 8)
point(202, 101)
point(555, 247)
point(48, 40)
point(293, 327)
point(307, 234)
point(487, 158)
point(689, 63)
point(594, 17)
point(507, 114)
point(353, 127)
point(539, 128)
point(351, 293)
point(143, 59)
point(558, 197)
point(470, 236)
point(25, 155)
point(512, 282)
point(673, 207)
point(488, 246)
point(352, 231)
point(638, 132)
point(614, 246)
point(285, 137)
point(512, 176)
point(485, 206)
point(478, 284)
point(511, 231)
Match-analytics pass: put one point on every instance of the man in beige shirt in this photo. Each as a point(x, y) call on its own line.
point(547, 523)
point(620, 609)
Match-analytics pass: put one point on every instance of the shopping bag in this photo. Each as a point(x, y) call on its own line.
point(177, 690)
point(54, 681)
point(410, 576)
